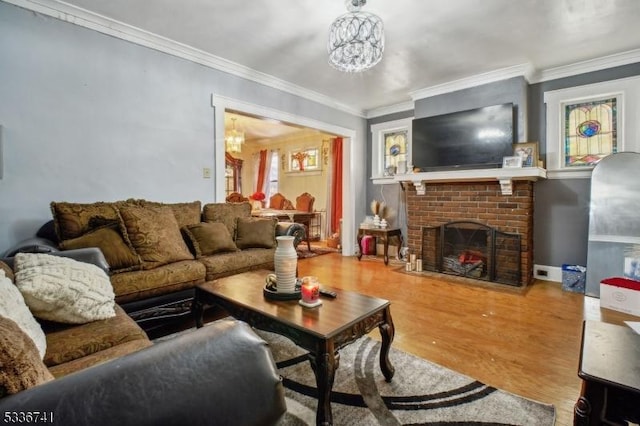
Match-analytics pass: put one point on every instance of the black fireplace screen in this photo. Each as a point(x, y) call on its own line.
point(473, 250)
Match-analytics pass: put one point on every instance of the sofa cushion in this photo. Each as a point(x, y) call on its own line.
point(99, 357)
point(22, 366)
point(226, 213)
point(254, 232)
point(154, 234)
point(209, 238)
point(66, 343)
point(71, 220)
point(225, 264)
point(13, 307)
point(109, 240)
point(137, 285)
point(185, 213)
point(62, 289)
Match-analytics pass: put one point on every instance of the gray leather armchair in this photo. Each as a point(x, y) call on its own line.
point(221, 374)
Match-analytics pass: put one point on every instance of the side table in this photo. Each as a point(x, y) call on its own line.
point(385, 234)
point(609, 360)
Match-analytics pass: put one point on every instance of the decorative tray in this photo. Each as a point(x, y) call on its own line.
point(269, 291)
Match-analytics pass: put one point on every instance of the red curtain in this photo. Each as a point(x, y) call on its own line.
point(262, 169)
point(336, 179)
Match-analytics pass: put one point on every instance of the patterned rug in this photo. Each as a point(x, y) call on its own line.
point(421, 393)
point(303, 253)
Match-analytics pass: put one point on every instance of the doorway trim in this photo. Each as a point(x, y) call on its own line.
point(222, 103)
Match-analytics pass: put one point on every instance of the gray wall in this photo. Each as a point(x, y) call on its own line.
point(561, 216)
point(88, 117)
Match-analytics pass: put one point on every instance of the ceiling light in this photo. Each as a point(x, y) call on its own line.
point(234, 139)
point(356, 39)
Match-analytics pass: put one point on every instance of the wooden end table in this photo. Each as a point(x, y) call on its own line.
point(384, 234)
point(609, 359)
point(322, 331)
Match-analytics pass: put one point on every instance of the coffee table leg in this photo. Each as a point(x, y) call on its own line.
point(197, 309)
point(387, 331)
point(324, 367)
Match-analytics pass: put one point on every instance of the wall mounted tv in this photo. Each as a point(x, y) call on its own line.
point(476, 138)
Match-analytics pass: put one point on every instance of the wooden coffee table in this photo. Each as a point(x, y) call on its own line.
point(322, 331)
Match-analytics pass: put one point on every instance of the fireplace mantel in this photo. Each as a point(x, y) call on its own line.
point(505, 176)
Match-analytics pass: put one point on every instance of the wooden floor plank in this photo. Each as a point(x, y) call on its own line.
point(525, 341)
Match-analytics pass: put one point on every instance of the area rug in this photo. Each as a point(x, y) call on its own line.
point(304, 253)
point(421, 393)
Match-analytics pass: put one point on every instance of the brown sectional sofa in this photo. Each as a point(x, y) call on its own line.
point(109, 372)
point(159, 252)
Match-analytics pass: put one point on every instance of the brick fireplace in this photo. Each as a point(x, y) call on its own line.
point(438, 203)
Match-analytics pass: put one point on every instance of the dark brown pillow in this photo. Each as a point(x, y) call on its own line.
point(22, 366)
point(185, 213)
point(71, 220)
point(253, 232)
point(154, 234)
point(209, 238)
point(119, 255)
point(226, 213)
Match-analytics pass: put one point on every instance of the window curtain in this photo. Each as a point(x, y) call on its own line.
point(263, 170)
point(336, 183)
point(266, 181)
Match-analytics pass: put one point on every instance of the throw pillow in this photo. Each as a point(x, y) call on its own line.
point(119, 255)
point(253, 232)
point(71, 220)
point(226, 213)
point(22, 367)
point(64, 290)
point(154, 234)
point(209, 238)
point(13, 306)
point(185, 213)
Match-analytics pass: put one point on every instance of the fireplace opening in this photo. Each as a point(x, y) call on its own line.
point(473, 250)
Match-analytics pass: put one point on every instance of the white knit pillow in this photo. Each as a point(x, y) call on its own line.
point(12, 306)
point(62, 289)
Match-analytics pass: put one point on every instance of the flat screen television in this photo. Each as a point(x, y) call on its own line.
point(477, 138)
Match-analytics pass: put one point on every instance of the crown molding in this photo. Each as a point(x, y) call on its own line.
point(591, 65)
point(84, 18)
point(390, 109)
point(522, 70)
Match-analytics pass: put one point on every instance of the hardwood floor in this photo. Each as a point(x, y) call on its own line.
point(523, 341)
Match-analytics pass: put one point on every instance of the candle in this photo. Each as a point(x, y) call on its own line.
point(310, 289)
point(419, 265)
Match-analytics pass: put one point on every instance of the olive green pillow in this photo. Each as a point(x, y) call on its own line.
point(226, 213)
point(119, 255)
point(210, 238)
point(22, 366)
point(154, 234)
point(253, 232)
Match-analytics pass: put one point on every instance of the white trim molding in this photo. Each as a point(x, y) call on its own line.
point(547, 273)
point(351, 144)
point(85, 18)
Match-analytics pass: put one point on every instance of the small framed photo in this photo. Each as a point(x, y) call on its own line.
point(529, 153)
point(512, 162)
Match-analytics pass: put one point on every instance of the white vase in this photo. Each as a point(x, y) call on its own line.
point(286, 262)
point(376, 221)
point(383, 224)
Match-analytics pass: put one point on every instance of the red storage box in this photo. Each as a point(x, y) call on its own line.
point(368, 245)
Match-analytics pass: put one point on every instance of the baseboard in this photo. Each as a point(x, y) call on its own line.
point(547, 273)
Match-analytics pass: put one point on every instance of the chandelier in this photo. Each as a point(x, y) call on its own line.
point(234, 139)
point(356, 39)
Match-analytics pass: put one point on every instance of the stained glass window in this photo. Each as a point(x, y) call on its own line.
point(395, 151)
point(590, 132)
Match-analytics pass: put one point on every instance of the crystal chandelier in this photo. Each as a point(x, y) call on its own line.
point(356, 39)
point(234, 139)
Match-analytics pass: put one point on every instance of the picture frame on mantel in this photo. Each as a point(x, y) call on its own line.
point(529, 152)
point(514, 162)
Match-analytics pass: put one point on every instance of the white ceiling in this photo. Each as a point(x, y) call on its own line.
point(428, 43)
